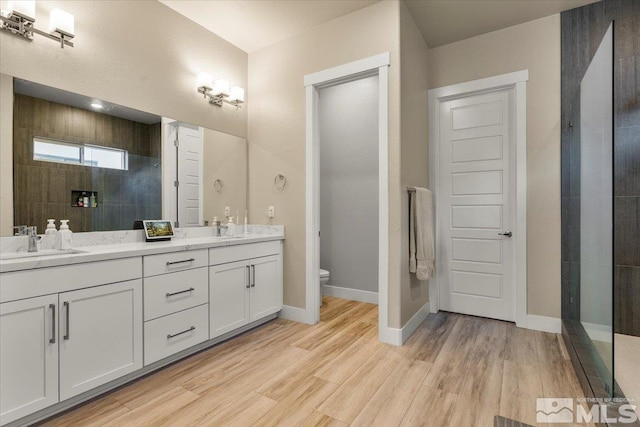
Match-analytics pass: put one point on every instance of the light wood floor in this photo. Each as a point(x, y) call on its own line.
point(627, 368)
point(454, 371)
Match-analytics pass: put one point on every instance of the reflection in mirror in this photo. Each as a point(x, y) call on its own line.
point(101, 165)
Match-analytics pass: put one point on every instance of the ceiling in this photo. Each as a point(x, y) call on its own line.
point(446, 21)
point(254, 24)
point(60, 96)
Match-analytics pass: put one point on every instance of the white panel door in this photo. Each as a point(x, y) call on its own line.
point(266, 287)
point(190, 149)
point(228, 297)
point(101, 335)
point(28, 356)
point(476, 206)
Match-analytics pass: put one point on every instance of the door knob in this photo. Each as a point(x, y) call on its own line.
point(506, 233)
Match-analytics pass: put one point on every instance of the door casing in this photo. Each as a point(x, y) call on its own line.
point(516, 81)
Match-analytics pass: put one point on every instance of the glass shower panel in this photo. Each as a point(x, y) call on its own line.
point(596, 206)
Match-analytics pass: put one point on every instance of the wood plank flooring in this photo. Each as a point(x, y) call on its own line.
point(455, 370)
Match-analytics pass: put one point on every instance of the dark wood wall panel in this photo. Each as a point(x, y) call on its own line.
point(42, 190)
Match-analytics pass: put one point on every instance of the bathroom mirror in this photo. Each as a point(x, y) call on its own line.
point(103, 166)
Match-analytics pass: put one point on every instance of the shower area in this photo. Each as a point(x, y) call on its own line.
point(601, 196)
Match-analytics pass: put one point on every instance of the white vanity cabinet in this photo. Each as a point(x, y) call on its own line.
point(245, 285)
point(28, 356)
point(100, 335)
point(176, 303)
point(66, 330)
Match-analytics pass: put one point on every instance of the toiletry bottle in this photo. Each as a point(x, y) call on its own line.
point(246, 222)
point(66, 235)
point(50, 240)
point(85, 202)
point(94, 204)
point(231, 227)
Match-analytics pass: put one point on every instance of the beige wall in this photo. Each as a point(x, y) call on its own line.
point(6, 155)
point(225, 158)
point(414, 112)
point(534, 46)
point(140, 54)
point(277, 129)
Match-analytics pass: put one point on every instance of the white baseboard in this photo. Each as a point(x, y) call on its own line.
point(395, 336)
point(415, 321)
point(598, 332)
point(294, 313)
point(351, 294)
point(543, 323)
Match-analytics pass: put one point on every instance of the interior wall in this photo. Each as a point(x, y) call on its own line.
point(348, 130)
point(534, 46)
point(414, 108)
point(277, 129)
point(6, 157)
point(225, 158)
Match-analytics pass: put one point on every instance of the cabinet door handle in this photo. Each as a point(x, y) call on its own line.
point(253, 273)
point(170, 294)
point(180, 262)
point(193, 328)
point(66, 306)
point(248, 277)
point(52, 340)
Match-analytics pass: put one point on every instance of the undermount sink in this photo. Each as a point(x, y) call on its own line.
point(41, 253)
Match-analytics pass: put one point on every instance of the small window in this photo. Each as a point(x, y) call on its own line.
point(74, 154)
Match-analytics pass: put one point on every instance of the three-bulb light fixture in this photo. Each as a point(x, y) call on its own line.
point(219, 92)
point(20, 18)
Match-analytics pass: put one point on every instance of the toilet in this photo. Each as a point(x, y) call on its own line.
point(324, 278)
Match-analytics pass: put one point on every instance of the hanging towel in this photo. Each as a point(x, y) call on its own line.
point(421, 237)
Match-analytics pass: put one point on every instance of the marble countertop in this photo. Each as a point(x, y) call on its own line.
point(103, 252)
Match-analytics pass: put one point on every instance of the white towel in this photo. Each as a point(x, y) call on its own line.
point(421, 235)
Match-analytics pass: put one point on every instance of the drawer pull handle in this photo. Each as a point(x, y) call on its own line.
point(248, 277)
point(253, 270)
point(66, 305)
point(170, 294)
point(180, 262)
point(52, 340)
point(169, 336)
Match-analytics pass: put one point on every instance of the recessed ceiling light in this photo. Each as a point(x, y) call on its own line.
point(97, 105)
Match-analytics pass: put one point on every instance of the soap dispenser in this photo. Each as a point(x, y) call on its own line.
point(231, 227)
point(66, 235)
point(50, 240)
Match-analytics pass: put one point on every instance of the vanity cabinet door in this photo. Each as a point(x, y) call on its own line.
point(228, 297)
point(28, 356)
point(100, 335)
point(266, 286)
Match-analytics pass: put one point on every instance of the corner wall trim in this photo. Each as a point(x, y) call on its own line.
point(409, 328)
point(294, 313)
point(543, 323)
point(350, 293)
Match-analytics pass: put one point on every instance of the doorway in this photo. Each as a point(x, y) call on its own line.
point(372, 66)
point(477, 169)
point(348, 132)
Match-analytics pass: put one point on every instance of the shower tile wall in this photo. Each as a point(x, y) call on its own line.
point(43, 190)
point(582, 31)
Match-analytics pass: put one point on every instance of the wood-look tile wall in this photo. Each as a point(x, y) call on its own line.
point(582, 32)
point(43, 189)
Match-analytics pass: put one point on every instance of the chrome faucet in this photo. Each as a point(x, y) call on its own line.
point(218, 226)
point(33, 238)
point(21, 230)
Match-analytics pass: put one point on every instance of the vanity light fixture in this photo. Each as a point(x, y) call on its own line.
point(219, 92)
point(21, 17)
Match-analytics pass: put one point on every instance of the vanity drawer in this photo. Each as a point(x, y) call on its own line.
point(170, 334)
point(174, 261)
point(173, 292)
point(235, 253)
